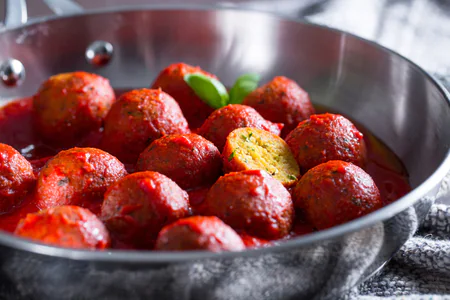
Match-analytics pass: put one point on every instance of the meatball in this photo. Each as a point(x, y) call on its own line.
point(188, 159)
point(65, 226)
point(68, 106)
point(282, 101)
point(199, 233)
point(336, 192)
point(255, 149)
point(138, 118)
point(16, 178)
point(171, 81)
point(78, 176)
point(326, 137)
point(226, 119)
point(252, 201)
point(138, 206)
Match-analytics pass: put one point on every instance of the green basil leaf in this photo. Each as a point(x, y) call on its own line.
point(210, 90)
point(244, 85)
point(239, 91)
point(249, 77)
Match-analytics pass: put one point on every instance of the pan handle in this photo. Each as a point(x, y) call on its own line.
point(16, 10)
point(16, 13)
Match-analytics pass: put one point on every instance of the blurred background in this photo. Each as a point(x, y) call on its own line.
point(417, 29)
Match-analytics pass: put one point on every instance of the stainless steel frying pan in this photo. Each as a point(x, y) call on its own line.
point(395, 99)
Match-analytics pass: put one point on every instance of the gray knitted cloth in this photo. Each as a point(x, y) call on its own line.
point(421, 269)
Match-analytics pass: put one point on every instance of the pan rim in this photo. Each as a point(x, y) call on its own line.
point(161, 257)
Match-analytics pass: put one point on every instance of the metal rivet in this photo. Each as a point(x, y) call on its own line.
point(99, 53)
point(12, 72)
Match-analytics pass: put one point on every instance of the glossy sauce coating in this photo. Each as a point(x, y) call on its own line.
point(78, 176)
point(281, 101)
point(138, 118)
point(251, 201)
point(16, 129)
point(16, 178)
point(70, 105)
point(226, 119)
point(65, 226)
point(336, 192)
point(253, 242)
point(327, 137)
point(138, 206)
point(199, 233)
point(171, 81)
point(188, 159)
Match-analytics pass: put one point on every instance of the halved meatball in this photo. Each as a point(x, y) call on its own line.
point(138, 118)
point(78, 176)
point(327, 137)
point(336, 192)
point(16, 178)
point(252, 201)
point(282, 101)
point(65, 226)
point(138, 206)
point(199, 233)
point(226, 119)
point(188, 159)
point(255, 149)
point(171, 81)
point(70, 105)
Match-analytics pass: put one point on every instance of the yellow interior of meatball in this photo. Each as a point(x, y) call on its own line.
point(261, 150)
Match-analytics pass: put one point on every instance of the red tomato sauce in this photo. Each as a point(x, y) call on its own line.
point(16, 130)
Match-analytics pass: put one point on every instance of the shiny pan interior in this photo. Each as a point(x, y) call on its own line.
point(395, 99)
